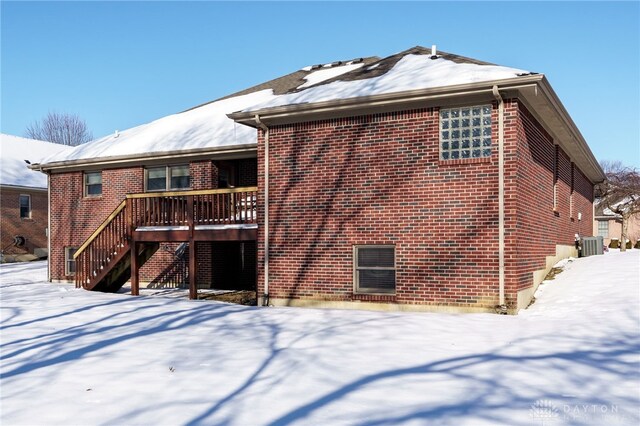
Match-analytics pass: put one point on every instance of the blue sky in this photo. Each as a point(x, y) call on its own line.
point(121, 64)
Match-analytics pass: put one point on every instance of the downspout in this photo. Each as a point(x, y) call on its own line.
point(265, 129)
point(48, 226)
point(501, 308)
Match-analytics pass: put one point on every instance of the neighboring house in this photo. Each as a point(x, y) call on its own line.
point(608, 225)
point(423, 180)
point(23, 198)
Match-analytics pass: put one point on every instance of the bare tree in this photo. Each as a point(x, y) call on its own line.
point(65, 129)
point(620, 193)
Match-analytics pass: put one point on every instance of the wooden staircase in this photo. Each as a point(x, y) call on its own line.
point(104, 260)
point(118, 272)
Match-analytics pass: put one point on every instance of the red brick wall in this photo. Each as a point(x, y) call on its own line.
point(75, 217)
point(204, 175)
point(11, 224)
point(539, 226)
point(378, 180)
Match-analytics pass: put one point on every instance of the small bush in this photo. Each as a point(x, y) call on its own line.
point(629, 245)
point(614, 244)
point(637, 246)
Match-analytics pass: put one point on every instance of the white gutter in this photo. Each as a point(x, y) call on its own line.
point(496, 93)
point(265, 129)
point(233, 151)
point(285, 112)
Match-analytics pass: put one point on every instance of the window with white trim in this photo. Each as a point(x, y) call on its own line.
point(603, 228)
point(465, 132)
point(25, 206)
point(69, 261)
point(93, 184)
point(374, 269)
point(166, 178)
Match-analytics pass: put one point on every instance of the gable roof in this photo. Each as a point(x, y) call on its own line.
point(412, 69)
point(416, 79)
point(14, 150)
point(203, 128)
point(412, 78)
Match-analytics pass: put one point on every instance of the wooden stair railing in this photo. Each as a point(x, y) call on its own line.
point(109, 245)
point(105, 246)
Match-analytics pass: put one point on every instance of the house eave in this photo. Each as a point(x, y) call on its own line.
point(555, 118)
point(534, 89)
point(23, 188)
point(224, 152)
point(376, 103)
point(608, 217)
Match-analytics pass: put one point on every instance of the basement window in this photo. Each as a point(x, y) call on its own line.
point(69, 261)
point(374, 269)
point(93, 184)
point(168, 178)
point(25, 206)
point(465, 132)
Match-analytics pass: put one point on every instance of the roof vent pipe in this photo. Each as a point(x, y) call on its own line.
point(434, 52)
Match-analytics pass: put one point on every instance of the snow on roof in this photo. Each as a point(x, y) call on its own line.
point(412, 72)
point(206, 126)
point(326, 73)
point(606, 211)
point(14, 150)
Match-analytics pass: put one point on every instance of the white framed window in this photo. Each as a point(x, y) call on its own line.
point(465, 132)
point(165, 178)
point(69, 261)
point(374, 269)
point(93, 184)
point(603, 228)
point(25, 206)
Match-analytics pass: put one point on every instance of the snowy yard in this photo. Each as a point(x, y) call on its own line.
point(74, 357)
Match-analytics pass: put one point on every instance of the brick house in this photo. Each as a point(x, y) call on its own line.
point(23, 198)
point(423, 180)
point(608, 225)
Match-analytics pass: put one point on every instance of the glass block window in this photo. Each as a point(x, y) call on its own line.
point(374, 269)
point(465, 132)
point(25, 206)
point(603, 228)
point(93, 184)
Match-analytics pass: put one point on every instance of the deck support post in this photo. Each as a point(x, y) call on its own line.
point(193, 291)
point(135, 283)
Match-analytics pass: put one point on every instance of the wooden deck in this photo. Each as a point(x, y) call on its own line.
point(143, 220)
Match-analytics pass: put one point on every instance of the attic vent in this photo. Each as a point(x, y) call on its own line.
point(336, 63)
point(357, 60)
point(522, 74)
point(434, 52)
point(315, 67)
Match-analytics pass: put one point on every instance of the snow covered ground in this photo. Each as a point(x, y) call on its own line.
point(75, 357)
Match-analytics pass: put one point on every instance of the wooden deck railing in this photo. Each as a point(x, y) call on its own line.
point(106, 242)
point(205, 207)
point(229, 206)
